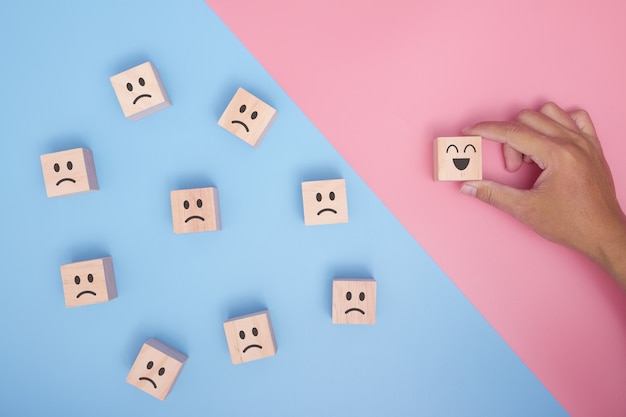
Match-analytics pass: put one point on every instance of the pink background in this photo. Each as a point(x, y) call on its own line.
point(381, 80)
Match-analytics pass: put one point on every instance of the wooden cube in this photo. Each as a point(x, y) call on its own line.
point(140, 91)
point(354, 301)
point(195, 210)
point(247, 117)
point(458, 158)
point(250, 337)
point(325, 202)
point(88, 282)
point(69, 172)
point(156, 368)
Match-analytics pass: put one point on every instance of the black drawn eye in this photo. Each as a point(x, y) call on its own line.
point(57, 168)
point(70, 165)
point(161, 371)
point(242, 334)
point(254, 115)
point(90, 278)
point(468, 146)
point(77, 280)
point(331, 196)
point(242, 108)
point(318, 196)
point(362, 296)
point(199, 203)
point(142, 82)
point(255, 332)
point(186, 204)
point(129, 86)
point(452, 146)
point(348, 296)
point(150, 365)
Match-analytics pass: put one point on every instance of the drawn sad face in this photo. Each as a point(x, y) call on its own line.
point(250, 337)
point(354, 301)
point(195, 210)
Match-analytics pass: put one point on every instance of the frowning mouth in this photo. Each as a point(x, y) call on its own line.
point(141, 96)
point(66, 179)
point(251, 346)
point(144, 378)
point(194, 217)
point(326, 209)
point(241, 123)
point(85, 292)
point(355, 309)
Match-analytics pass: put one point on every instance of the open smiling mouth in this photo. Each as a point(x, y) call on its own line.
point(251, 346)
point(85, 292)
point(460, 163)
point(66, 179)
point(144, 378)
point(141, 96)
point(326, 209)
point(194, 217)
point(355, 309)
point(241, 123)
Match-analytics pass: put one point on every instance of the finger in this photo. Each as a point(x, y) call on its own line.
point(583, 122)
point(559, 115)
point(512, 158)
point(503, 197)
point(515, 134)
point(543, 124)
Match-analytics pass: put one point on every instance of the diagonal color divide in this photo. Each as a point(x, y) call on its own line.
point(381, 82)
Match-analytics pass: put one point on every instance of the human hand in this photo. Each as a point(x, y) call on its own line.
point(573, 200)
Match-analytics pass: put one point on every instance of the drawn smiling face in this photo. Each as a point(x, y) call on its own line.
point(458, 158)
point(250, 337)
point(354, 301)
point(461, 163)
point(195, 210)
point(324, 202)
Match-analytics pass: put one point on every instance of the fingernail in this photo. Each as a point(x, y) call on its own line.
point(468, 190)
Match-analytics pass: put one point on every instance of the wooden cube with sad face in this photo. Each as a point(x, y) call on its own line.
point(156, 368)
point(88, 282)
point(354, 301)
point(69, 172)
point(195, 210)
point(250, 337)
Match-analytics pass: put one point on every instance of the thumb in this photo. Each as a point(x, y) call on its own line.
point(503, 197)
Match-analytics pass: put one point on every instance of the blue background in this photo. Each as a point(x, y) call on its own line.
point(430, 353)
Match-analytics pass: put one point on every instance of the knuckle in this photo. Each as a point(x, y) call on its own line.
point(514, 126)
point(549, 107)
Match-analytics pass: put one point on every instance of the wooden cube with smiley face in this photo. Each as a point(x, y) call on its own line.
point(69, 172)
point(458, 158)
point(325, 202)
point(250, 337)
point(156, 368)
point(354, 301)
point(140, 91)
point(247, 117)
point(195, 210)
point(88, 282)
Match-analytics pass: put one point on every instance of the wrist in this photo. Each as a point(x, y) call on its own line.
point(612, 253)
